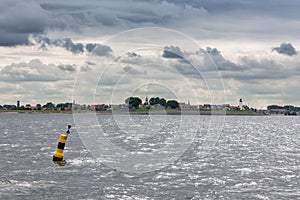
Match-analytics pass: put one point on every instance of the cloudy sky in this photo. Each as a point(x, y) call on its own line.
point(205, 51)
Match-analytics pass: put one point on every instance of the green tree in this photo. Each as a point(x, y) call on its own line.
point(39, 106)
point(289, 107)
point(154, 101)
point(49, 106)
point(162, 102)
point(27, 107)
point(133, 101)
point(60, 106)
point(157, 100)
point(274, 107)
point(173, 104)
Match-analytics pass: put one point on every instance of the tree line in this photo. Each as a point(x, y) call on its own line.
point(47, 106)
point(286, 107)
point(289, 109)
point(135, 102)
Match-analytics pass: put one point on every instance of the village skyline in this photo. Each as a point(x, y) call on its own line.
point(67, 106)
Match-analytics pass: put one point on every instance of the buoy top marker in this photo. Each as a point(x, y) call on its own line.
point(68, 131)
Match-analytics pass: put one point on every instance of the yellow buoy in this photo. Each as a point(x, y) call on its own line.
point(58, 155)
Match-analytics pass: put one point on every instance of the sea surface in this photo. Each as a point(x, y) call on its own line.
point(253, 157)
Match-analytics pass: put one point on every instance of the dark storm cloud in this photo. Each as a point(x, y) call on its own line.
point(286, 49)
point(85, 68)
point(187, 69)
point(212, 59)
point(213, 51)
point(246, 69)
point(130, 70)
point(110, 13)
point(264, 69)
point(132, 58)
point(18, 20)
point(65, 43)
point(132, 55)
point(230, 18)
point(90, 63)
point(172, 52)
point(214, 56)
point(68, 44)
point(214, 6)
point(274, 8)
point(61, 6)
point(98, 49)
point(244, 19)
point(101, 50)
point(90, 46)
point(68, 68)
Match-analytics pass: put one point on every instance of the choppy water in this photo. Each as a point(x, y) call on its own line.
point(254, 158)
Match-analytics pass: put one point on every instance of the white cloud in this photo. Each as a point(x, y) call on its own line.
point(35, 81)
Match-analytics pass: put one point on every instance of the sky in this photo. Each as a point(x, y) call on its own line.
point(202, 51)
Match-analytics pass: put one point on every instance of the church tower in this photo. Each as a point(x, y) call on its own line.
point(146, 101)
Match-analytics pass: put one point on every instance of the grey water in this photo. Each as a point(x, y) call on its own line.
point(253, 157)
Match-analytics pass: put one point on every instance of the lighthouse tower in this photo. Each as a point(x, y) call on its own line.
point(241, 104)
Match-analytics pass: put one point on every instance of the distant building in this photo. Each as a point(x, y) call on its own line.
point(184, 106)
point(278, 111)
point(226, 107)
point(119, 107)
point(67, 108)
point(98, 107)
point(194, 107)
point(33, 107)
point(78, 106)
point(157, 107)
point(216, 107)
point(234, 107)
point(245, 107)
point(206, 107)
point(9, 107)
point(18, 104)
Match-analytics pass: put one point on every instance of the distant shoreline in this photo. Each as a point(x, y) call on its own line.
point(139, 112)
